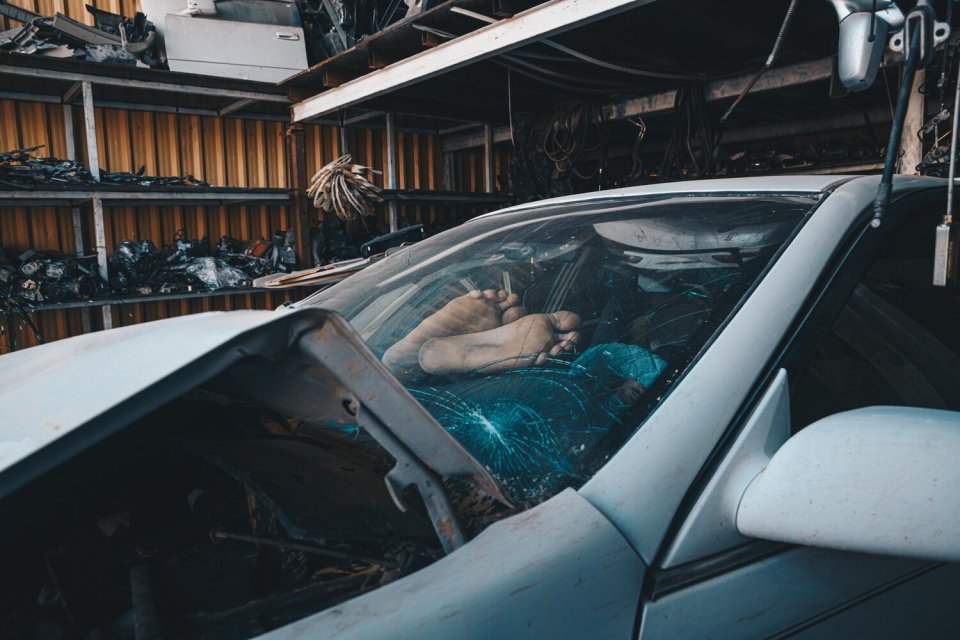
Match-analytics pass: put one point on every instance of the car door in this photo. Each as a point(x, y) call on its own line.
point(876, 332)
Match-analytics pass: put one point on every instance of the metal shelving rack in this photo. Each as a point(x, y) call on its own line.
point(71, 83)
point(160, 297)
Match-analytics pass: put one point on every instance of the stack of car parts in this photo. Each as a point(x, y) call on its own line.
point(21, 169)
point(114, 39)
point(34, 277)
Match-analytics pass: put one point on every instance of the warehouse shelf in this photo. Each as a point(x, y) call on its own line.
point(419, 196)
point(60, 81)
point(121, 195)
point(159, 297)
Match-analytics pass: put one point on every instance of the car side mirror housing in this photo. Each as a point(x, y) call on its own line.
point(882, 480)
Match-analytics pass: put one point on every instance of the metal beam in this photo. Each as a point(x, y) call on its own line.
point(780, 78)
point(467, 126)
point(90, 131)
point(235, 106)
point(100, 238)
point(534, 24)
point(50, 74)
point(145, 106)
point(487, 158)
point(30, 97)
point(71, 141)
point(391, 177)
point(70, 94)
point(449, 172)
point(118, 198)
point(788, 76)
point(363, 117)
point(910, 142)
point(298, 181)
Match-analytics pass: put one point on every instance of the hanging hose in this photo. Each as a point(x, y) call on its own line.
point(572, 130)
point(882, 201)
point(771, 59)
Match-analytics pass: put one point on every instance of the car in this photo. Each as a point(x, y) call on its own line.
point(722, 408)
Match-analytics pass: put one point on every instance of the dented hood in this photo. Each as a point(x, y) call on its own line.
point(48, 391)
point(59, 399)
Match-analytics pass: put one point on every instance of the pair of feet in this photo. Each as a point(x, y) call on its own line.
point(486, 331)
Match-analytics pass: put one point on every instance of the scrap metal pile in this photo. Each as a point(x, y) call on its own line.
point(33, 278)
point(333, 26)
point(114, 38)
point(20, 169)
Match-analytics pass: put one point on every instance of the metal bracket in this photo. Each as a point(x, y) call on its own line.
point(940, 33)
point(409, 471)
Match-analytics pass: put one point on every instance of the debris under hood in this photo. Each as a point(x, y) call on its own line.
point(263, 488)
point(20, 169)
point(114, 39)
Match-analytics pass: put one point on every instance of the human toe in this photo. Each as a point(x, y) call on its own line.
point(513, 314)
point(564, 320)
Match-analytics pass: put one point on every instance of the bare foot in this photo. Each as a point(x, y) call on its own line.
point(524, 342)
point(470, 313)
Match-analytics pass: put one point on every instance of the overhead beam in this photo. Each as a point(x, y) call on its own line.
point(127, 83)
point(780, 78)
point(788, 76)
point(70, 94)
point(243, 103)
point(534, 24)
point(369, 115)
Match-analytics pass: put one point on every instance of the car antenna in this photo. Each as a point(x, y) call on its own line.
point(918, 43)
point(944, 253)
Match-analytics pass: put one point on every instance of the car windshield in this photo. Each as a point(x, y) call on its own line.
point(540, 339)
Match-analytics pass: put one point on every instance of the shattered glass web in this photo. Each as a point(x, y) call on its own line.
point(531, 426)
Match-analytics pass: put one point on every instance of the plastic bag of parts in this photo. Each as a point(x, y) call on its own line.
point(217, 274)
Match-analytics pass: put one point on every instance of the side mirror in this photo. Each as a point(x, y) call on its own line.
point(858, 55)
point(882, 480)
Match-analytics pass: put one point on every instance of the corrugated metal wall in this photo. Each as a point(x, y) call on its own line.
point(222, 151)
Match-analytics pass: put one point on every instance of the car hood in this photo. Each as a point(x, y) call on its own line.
point(48, 391)
point(61, 398)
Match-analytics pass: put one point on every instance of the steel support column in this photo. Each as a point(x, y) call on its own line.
point(910, 143)
point(488, 158)
point(90, 131)
point(300, 203)
point(99, 230)
point(391, 177)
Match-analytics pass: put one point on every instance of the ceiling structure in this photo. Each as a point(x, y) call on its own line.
point(465, 61)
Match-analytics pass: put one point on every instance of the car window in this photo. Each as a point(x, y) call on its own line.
point(895, 341)
point(541, 340)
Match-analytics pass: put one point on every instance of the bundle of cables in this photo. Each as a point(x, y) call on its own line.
point(690, 152)
point(345, 189)
point(574, 129)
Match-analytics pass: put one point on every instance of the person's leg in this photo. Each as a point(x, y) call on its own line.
point(472, 312)
point(525, 342)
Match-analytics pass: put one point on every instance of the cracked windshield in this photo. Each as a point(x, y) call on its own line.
point(541, 339)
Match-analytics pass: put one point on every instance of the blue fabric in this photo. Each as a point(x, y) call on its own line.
point(623, 361)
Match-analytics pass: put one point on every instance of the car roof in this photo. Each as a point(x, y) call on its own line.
point(741, 186)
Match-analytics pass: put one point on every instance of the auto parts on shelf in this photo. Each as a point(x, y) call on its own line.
point(21, 169)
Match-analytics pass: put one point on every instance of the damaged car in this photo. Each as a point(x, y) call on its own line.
point(710, 409)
